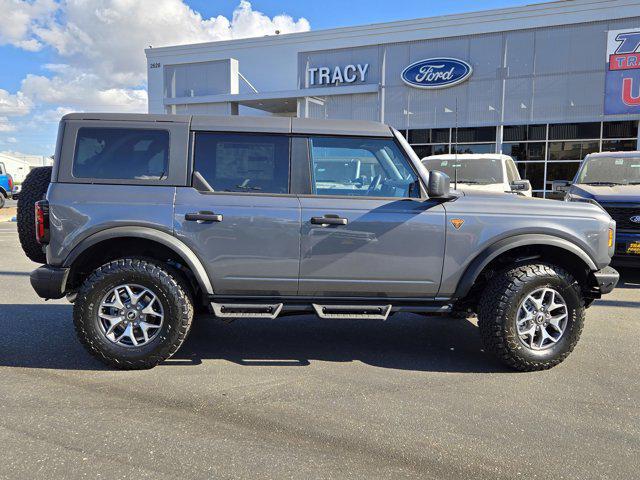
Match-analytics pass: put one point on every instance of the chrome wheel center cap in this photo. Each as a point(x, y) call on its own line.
point(132, 315)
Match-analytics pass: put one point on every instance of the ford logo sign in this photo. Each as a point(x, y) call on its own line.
point(436, 73)
point(635, 219)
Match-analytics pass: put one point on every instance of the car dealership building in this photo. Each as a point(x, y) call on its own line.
point(546, 83)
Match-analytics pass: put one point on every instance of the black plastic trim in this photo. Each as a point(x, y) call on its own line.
point(605, 279)
point(493, 251)
point(49, 282)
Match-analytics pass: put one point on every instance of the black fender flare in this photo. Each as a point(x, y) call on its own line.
point(496, 249)
point(169, 241)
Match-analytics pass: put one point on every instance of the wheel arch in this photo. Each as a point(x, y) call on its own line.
point(104, 240)
point(573, 257)
point(3, 192)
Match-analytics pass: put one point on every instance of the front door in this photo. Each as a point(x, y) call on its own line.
point(239, 217)
point(365, 231)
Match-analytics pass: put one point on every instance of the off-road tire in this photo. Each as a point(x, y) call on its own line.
point(499, 306)
point(2, 200)
point(172, 292)
point(34, 188)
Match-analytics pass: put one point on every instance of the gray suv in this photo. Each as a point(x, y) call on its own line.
point(148, 219)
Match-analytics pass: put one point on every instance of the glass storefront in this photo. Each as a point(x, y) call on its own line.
point(543, 152)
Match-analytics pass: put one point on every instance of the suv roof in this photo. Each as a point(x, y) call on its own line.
point(238, 123)
point(468, 156)
point(632, 154)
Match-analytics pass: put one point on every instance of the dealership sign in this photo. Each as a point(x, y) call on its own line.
point(622, 84)
point(336, 75)
point(436, 73)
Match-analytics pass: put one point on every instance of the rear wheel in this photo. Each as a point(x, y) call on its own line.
point(2, 200)
point(531, 316)
point(133, 313)
point(34, 188)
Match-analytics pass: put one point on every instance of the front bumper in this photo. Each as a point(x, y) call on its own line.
point(49, 282)
point(605, 280)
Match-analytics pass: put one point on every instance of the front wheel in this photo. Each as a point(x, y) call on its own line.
point(531, 316)
point(133, 313)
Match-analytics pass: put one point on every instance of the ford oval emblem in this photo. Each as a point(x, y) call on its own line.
point(635, 219)
point(436, 73)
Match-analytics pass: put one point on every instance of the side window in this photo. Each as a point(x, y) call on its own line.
point(371, 167)
point(512, 172)
point(121, 154)
point(234, 162)
point(2, 170)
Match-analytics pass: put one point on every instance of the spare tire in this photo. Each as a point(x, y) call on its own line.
point(34, 188)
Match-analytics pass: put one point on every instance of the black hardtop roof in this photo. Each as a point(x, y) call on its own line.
point(239, 123)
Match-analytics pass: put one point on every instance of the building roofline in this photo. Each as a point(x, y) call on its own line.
point(535, 15)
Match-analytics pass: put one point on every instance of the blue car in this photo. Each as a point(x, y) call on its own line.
point(612, 179)
point(6, 185)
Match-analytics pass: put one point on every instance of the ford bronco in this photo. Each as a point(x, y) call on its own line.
point(146, 219)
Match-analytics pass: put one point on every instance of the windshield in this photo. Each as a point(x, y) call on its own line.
point(610, 171)
point(480, 171)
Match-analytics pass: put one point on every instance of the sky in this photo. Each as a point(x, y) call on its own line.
point(59, 56)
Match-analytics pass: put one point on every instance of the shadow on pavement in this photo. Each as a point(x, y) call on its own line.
point(42, 336)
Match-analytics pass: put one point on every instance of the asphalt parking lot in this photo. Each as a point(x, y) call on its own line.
point(304, 398)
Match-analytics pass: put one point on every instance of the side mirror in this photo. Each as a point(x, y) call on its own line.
point(439, 184)
point(520, 185)
point(560, 186)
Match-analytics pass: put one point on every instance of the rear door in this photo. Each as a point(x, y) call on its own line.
point(365, 229)
point(239, 216)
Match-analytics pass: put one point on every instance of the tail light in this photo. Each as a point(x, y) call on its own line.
point(42, 222)
point(10, 183)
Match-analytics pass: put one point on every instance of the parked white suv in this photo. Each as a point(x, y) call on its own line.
point(488, 171)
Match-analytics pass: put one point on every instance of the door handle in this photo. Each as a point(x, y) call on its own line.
point(329, 220)
point(203, 217)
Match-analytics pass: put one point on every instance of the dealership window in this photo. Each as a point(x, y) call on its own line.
point(628, 129)
point(572, 150)
point(574, 131)
point(524, 133)
point(474, 148)
point(428, 150)
point(232, 162)
point(534, 172)
point(473, 135)
point(543, 152)
point(620, 145)
point(525, 151)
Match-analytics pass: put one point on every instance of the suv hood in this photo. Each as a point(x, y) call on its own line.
point(533, 206)
point(605, 193)
point(491, 187)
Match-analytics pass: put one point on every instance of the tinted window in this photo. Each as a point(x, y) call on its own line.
point(233, 162)
point(623, 170)
point(361, 167)
point(121, 154)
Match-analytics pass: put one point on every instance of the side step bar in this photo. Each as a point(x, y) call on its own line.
point(246, 310)
point(368, 312)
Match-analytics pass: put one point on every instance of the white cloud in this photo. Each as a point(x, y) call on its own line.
point(20, 18)
point(6, 125)
point(83, 91)
point(18, 104)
